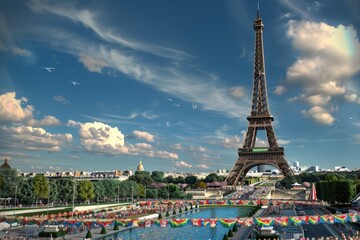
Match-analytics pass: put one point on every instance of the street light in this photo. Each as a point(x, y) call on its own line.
point(73, 199)
point(15, 199)
point(48, 203)
point(97, 196)
point(118, 195)
point(132, 194)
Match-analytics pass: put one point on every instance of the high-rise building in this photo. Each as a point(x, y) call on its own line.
point(296, 165)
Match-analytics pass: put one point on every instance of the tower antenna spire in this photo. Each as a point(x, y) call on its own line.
point(258, 9)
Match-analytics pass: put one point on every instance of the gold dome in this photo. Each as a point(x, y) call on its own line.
point(140, 167)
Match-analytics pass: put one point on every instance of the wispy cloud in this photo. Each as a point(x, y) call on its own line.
point(178, 78)
point(61, 99)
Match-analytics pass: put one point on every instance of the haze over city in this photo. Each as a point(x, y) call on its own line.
point(101, 85)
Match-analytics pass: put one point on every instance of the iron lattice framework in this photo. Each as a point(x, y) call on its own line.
point(259, 119)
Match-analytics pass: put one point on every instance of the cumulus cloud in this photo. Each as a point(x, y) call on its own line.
point(279, 90)
point(30, 138)
point(232, 142)
point(329, 57)
point(237, 92)
point(100, 137)
point(319, 115)
point(61, 99)
point(46, 121)
point(203, 166)
point(143, 135)
point(13, 109)
point(183, 164)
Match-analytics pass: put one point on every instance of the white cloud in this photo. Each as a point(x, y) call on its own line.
point(198, 148)
point(46, 121)
point(237, 92)
point(178, 146)
point(20, 51)
point(319, 115)
point(149, 115)
point(279, 90)
point(14, 110)
point(91, 63)
point(99, 137)
point(143, 135)
point(203, 166)
point(282, 142)
point(30, 138)
point(72, 123)
point(61, 99)
point(232, 142)
point(183, 164)
point(329, 58)
point(181, 79)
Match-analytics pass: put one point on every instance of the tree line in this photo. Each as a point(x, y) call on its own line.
point(31, 190)
point(331, 187)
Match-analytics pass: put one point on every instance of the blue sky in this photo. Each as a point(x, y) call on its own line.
point(96, 85)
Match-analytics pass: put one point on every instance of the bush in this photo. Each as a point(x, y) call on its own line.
point(116, 226)
point(103, 230)
point(88, 234)
point(174, 212)
point(235, 229)
point(52, 234)
point(180, 211)
point(225, 237)
point(160, 216)
point(191, 207)
point(167, 214)
point(230, 233)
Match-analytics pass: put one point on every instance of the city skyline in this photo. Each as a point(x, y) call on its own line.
point(88, 86)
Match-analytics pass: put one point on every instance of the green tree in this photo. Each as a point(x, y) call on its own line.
point(85, 190)
point(141, 190)
point(25, 191)
point(10, 180)
point(143, 178)
point(157, 176)
point(53, 187)
point(65, 188)
point(190, 179)
point(41, 186)
point(212, 177)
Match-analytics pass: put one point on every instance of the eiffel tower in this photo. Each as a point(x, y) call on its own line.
point(259, 119)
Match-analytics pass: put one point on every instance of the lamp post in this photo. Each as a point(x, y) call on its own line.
point(132, 194)
point(97, 196)
point(118, 200)
point(73, 200)
point(48, 203)
point(15, 199)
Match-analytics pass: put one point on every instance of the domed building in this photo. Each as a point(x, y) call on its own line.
point(5, 165)
point(140, 167)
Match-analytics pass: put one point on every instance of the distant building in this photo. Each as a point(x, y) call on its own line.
point(296, 165)
point(140, 167)
point(5, 165)
point(341, 169)
point(313, 169)
point(261, 168)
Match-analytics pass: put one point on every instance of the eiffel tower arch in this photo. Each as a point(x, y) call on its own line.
point(259, 120)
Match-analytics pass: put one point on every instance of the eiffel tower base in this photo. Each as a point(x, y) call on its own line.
point(248, 160)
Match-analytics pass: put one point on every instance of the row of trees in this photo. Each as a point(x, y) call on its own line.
point(339, 191)
point(317, 177)
point(146, 179)
point(63, 190)
point(330, 187)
